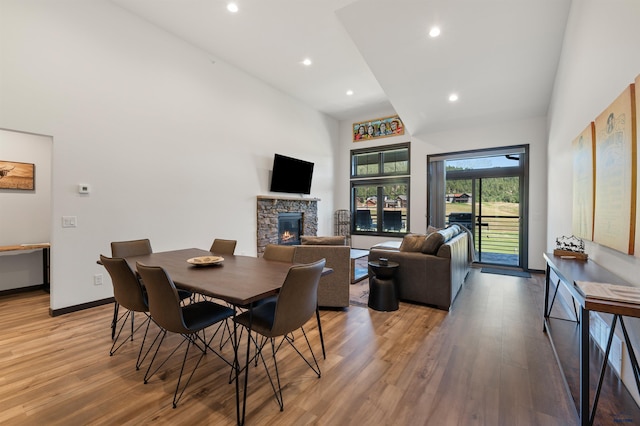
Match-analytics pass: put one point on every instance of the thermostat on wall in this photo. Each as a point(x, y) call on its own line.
point(83, 188)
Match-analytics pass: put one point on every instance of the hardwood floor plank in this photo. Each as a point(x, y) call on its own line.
point(486, 362)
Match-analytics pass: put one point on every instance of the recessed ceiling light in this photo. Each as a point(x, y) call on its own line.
point(349, 92)
point(434, 32)
point(306, 62)
point(453, 97)
point(232, 7)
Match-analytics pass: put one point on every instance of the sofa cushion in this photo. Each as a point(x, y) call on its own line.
point(433, 242)
point(412, 242)
point(324, 241)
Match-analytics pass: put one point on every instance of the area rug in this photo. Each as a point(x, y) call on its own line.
point(510, 272)
point(359, 293)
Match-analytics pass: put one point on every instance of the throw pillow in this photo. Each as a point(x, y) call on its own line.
point(456, 229)
point(432, 243)
point(447, 233)
point(412, 242)
point(432, 229)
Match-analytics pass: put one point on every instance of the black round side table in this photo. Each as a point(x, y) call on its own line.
point(383, 295)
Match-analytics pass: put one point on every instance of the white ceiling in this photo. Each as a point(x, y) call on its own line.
point(500, 56)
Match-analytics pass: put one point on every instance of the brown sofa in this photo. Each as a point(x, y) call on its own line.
point(333, 290)
point(432, 267)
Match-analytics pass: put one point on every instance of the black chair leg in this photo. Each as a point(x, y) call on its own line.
point(115, 319)
point(324, 355)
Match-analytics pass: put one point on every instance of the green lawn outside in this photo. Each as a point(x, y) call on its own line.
point(499, 235)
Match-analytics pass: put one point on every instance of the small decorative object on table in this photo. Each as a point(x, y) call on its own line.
point(206, 260)
point(570, 248)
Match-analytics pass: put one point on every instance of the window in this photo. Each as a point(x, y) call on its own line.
point(380, 190)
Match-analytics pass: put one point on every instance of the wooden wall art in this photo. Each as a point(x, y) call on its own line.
point(583, 185)
point(615, 174)
point(378, 128)
point(14, 175)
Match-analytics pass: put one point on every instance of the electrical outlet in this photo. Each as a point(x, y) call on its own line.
point(97, 279)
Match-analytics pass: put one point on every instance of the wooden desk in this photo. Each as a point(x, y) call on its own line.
point(569, 271)
point(46, 248)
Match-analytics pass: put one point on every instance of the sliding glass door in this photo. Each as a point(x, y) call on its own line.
point(486, 192)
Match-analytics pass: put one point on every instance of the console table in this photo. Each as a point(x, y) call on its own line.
point(45, 247)
point(568, 272)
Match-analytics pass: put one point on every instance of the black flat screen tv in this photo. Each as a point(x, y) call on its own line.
point(291, 175)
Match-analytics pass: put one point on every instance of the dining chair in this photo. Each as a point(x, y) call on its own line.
point(187, 320)
point(122, 249)
point(295, 305)
point(283, 253)
point(279, 253)
point(128, 293)
point(221, 246)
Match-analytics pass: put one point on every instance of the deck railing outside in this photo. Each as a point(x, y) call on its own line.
point(494, 236)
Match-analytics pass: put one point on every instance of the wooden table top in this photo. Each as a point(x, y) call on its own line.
point(572, 270)
point(239, 280)
point(25, 247)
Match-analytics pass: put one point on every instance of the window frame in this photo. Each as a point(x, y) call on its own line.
point(379, 180)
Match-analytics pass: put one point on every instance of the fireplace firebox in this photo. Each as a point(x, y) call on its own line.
point(289, 228)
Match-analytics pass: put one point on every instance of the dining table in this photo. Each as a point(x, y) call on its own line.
point(238, 280)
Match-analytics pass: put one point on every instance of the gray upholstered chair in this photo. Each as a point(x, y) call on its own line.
point(128, 293)
point(122, 249)
point(295, 305)
point(188, 320)
point(221, 246)
point(279, 253)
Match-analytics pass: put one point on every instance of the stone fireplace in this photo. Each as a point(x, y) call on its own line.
point(269, 210)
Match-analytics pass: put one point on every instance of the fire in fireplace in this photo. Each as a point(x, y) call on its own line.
point(289, 228)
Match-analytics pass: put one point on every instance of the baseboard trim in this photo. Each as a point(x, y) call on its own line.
point(76, 308)
point(22, 290)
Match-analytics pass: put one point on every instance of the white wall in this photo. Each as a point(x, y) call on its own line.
point(595, 68)
point(174, 147)
point(599, 59)
point(342, 160)
point(25, 216)
point(531, 131)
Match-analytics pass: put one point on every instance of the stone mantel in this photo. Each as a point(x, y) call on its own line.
point(269, 206)
point(278, 197)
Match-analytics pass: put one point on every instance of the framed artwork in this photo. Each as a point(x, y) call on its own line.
point(378, 128)
point(615, 175)
point(583, 185)
point(15, 175)
point(637, 128)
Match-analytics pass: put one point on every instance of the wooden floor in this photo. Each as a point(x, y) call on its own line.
point(487, 362)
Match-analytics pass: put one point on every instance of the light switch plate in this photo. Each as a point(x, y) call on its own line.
point(69, 221)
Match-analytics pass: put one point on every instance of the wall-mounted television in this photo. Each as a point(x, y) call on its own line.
point(291, 175)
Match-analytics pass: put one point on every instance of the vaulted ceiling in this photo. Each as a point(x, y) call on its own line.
point(499, 56)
